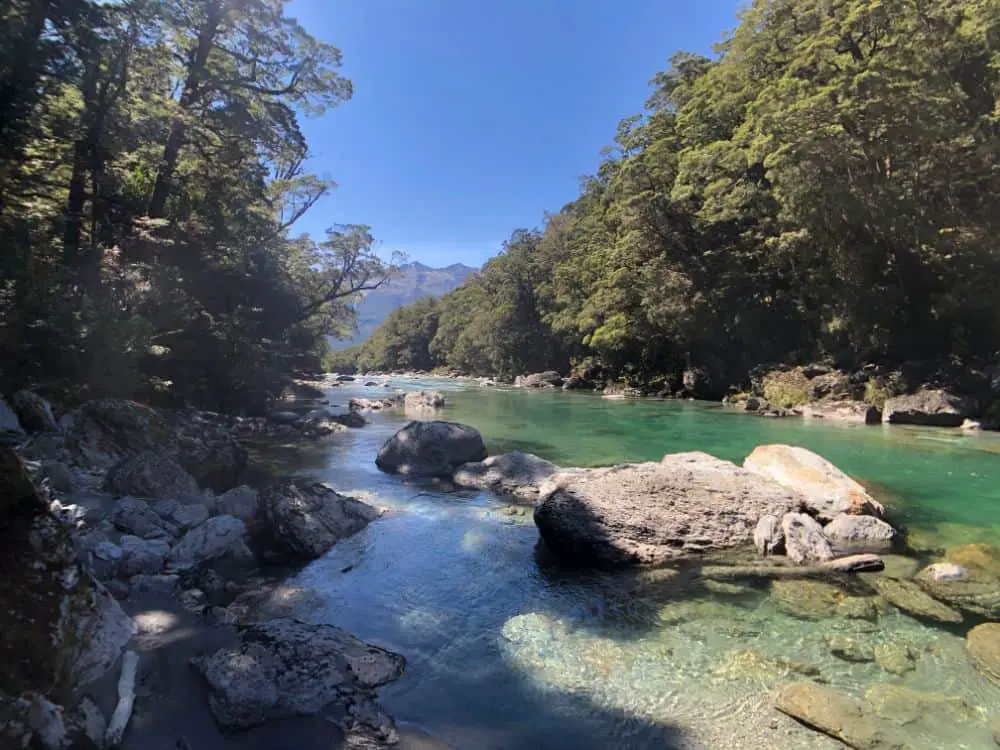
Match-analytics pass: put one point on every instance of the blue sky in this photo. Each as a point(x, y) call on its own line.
point(471, 118)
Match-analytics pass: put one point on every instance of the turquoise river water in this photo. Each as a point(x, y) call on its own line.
point(507, 651)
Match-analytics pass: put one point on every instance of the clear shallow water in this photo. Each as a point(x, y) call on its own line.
point(506, 650)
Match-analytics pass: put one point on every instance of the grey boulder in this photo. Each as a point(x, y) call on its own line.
point(804, 539)
point(10, 426)
point(933, 407)
point(136, 517)
point(645, 514)
point(34, 412)
point(242, 502)
point(142, 556)
point(152, 474)
point(285, 668)
point(859, 532)
point(212, 539)
point(516, 475)
point(305, 519)
point(432, 449)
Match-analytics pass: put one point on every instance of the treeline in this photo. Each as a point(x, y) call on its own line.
point(825, 188)
point(151, 173)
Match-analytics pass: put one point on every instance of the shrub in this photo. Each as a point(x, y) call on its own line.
point(786, 389)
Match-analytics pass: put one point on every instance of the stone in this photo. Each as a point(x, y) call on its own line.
point(241, 502)
point(573, 383)
point(305, 519)
point(34, 412)
point(811, 600)
point(839, 716)
point(365, 404)
point(970, 590)
point(351, 420)
point(108, 551)
point(321, 426)
point(858, 608)
point(859, 532)
point(103, 431)
point(11, 432)
point(284, 668)
point(193, 600)
point(849, 649)
point(547, 379)
point(895, 658)
point(58, 475)
point(161, 585)
point(904, 706)
point(136, 517)
point(804, 539)
point(214, 538)
point(848, 412)
point(753, 665)
point(982, 644)
point(769, 537)
point(933, 407)
point(515, 475)
point(284, 417)
point(146, 556)
point(423, 401)
point(190, 515)
point(982, 557)
point(215, 459)
point(433, 449)
point(646, 514)
point(910, 598)
point(900, 566)
point(828, 491)
point(152, 474)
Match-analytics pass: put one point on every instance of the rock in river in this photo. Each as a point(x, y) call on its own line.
point(548, 379)
point(285, 668)
point(638, 514)
point(804, 539)
point(840, 716)
point(971, 590)
point(859, 532)
point(852, 412)
point(431, 449)
point(983, 646)
point(827, 490)
point(516, 475)
point(910, 598)
point(423, 401)
point(304, 519)
point(936, 408)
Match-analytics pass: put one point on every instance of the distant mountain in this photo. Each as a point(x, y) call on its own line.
point(415, 281)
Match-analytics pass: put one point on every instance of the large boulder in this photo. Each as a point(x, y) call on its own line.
point(11, 431)
point(215, 461)
point(142, 556)
point(102, 432)
point(849, 412)
point(284, 668)
point(367, 404)
point(216, 537)
point(61, 629)
point(934, 407)
point(34, 412)
point(516, 475)
point(242, 502)
point(639, 514)
point(432, 449)
point(547, 379)
point(983, 646)
point(305, 519)
point(423, 401)
point(151, 474)
point(828, 491)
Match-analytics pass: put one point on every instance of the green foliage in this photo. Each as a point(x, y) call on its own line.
point(786, 389)
point(879, 390)
point(823, 189)
point(151, 169)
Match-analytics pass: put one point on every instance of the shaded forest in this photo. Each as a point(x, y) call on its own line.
point(152, 171)
point(824, 188)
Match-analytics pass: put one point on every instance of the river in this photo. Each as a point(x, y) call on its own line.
point(507, 651)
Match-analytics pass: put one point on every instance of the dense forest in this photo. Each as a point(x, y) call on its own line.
point(825, 188)
point(151, 175)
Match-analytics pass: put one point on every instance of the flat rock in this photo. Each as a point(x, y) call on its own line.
point(284, 668)
point(305, 519)
point(811, 600)
point(839, 716)
point(433, 449)
point(214, 538)
point(910, 598)
point(982, 644)
point(933, 407)
point(641, 514)
point(849, 412)
point(906, 707)
point(970, 590)
point(516, 475)
point(804, 539)
point(859, 532)
point(828, 491)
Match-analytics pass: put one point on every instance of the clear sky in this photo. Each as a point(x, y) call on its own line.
point(470, 118)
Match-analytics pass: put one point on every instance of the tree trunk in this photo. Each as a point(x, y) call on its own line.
point(189, 97)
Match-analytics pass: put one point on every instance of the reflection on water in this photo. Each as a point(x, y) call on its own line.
point(505, 650)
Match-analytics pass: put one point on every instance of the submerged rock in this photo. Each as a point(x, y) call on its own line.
point(907, 707)
point(286, 668)
point(895, 658)
point(828, 491)
point(932, 407)
point(804, 539)
point(813, 600)
point(972, 591)
point(850, 649)
point(305, 519)
point(982, 644)
point(516, 475)
point(431, 449)
point(910, 598)
point(839, 716)
point(638, 514)
point(152, 474)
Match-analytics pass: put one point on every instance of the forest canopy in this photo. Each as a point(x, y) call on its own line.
point(824, 187)
point(152, 171)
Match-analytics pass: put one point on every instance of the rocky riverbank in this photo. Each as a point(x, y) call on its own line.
point(127, 528)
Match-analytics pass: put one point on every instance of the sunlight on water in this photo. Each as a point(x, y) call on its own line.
point(505, 651)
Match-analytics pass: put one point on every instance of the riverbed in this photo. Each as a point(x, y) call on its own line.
point(507, 650)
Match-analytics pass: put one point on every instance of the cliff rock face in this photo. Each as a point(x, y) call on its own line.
point(59, 629)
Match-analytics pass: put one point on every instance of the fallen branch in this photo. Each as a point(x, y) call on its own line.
point(126, 697)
